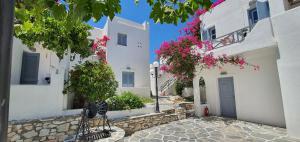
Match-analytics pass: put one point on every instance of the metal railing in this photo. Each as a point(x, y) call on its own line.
point(231, 38)
point(167, 84)
point(294, 2)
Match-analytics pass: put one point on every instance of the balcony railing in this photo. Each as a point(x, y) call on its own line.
point(294, 2)
point(167, 84)
point(231, 38)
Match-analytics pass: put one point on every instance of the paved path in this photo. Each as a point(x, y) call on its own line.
point(212, 129)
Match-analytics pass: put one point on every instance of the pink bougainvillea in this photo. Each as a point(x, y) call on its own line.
point(181, 56)
point(99, 46)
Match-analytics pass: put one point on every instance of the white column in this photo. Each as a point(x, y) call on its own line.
point(286, 33)
point(197, 98)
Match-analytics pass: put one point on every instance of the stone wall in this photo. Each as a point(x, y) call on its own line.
point(189, 107)
point(58, 128)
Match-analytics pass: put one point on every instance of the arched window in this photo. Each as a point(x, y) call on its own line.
point(202, 90)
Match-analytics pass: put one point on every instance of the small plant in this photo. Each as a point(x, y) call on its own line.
point(189, 99)
point(147, 100)
point(132, 100)
point(180, 85)
point(116, 103)
point(92, 81)
point(179, 88)
point(127, 100)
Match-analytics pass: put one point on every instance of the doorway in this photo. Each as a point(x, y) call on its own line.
point(227, 97)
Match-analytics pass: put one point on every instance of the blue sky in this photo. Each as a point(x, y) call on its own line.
point(139, 13)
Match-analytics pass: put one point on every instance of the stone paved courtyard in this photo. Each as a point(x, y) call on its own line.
point(211, 129)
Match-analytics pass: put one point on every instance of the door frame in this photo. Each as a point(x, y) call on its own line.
point(220, 108)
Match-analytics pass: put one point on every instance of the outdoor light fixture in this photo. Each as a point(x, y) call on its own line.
point(156, 75)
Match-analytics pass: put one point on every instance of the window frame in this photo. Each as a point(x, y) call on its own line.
point(209, 31)
point(128, 79)
point(251, 12)
point(122, 39)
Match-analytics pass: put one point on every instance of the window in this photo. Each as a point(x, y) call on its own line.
point(122, 39)
point(253, 16)
point(212, 33)
point(204, 35)
point(127, 79)
point(30, 68)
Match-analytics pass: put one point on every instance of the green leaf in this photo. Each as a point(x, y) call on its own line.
point(58, 11)
point(97, 10)
point(27, 26)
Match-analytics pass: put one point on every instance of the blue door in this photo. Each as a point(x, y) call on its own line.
point(30, 68)
point(227, 97)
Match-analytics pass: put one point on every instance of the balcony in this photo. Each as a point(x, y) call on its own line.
point(231, 38)
point(245, 39)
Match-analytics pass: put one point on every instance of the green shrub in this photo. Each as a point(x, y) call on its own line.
point(179, 88)
point(132, 100)
point(116, 103)
point(180, 85)
point(127, 100)
point(92, 81)
point(189, 99)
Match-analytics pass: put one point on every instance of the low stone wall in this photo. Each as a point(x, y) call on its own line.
point(58, 128)
point(189, 107)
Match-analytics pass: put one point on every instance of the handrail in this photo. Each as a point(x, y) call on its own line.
point(294, 2)
point(231, 38)
point(166, 84)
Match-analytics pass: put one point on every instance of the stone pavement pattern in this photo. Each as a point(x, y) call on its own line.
point(211, 129)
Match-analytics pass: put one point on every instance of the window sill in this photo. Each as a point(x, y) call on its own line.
point(119, 45)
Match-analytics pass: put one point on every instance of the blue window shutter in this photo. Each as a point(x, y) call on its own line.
point(263, 9)
point(30, 68)
point(119, 39)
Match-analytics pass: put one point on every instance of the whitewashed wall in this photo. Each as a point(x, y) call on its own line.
point(286, 26)
point(48, 61)
point(235, 10)
point(132, 56)
point(257, 93)
point(37, 101)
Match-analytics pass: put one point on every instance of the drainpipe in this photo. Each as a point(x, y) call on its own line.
point(6, 28)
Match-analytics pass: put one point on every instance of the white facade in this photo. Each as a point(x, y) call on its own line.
point(131, 58)
point(45, 99)
point(269, 95)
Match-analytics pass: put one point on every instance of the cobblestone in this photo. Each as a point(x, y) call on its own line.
point(211, 129)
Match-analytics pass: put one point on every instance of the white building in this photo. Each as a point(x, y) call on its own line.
point(32, 96)
point(127, 53)
point(266, 33)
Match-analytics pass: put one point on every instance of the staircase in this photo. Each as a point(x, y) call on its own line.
point(167, 85)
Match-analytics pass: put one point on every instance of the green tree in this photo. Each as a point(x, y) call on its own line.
point(94, 81)
point(60, 25)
